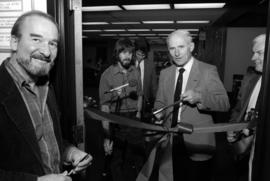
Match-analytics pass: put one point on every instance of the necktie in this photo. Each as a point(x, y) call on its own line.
point(139, 68)
point(177, 94)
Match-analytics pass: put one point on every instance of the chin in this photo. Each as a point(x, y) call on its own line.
point(39, 71)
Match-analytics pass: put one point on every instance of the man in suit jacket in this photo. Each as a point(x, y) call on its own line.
point(148, 74)
point(202, 92)
point(32, 147)
point(247, 100)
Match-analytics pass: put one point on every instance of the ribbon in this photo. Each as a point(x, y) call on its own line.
point(181, 128)
point(162, 150)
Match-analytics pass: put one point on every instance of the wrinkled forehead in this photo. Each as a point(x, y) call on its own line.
point(40, 25)
point(179, 37)
point(258, 46)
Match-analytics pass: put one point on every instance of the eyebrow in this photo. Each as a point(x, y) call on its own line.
point(40, 36)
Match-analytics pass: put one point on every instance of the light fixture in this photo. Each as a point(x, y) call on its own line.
point(127, 34)
point(101, 8)
point(163, 29)
point(125, 23)
point(158, 22)
point(107, 34)
point(152, 37)
point(163, 34)
point(138, 29)
point(95, 23)
point(194, 22)
point(113, 30)
point(92, 30)
point(147, 6)
point(146, 34)
point(189, 29)
point(198, 5)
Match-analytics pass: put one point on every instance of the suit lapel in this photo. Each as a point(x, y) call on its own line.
point(194, 76)
point(171, 84)
point(145, 76)
point(16, 109)
point(250, 86)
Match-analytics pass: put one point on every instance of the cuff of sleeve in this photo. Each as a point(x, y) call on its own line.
point(68, 154)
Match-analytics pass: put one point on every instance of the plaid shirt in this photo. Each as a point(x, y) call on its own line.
point(35, 97)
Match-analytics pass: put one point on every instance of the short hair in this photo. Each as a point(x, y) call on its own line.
point(123, 44)
point(183, 33)
point(142, 44)
point(259, 39)
point(16, 29)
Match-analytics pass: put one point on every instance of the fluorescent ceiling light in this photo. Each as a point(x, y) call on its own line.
point(194, 22)
point(198, 5)
point(163, 29)
point(95, 23)
point(92, 30)
point(127, 34)
point(158, 22)
point(84, 36)
point(152, 37)
point(190, 29)
point(112, 30)
point(146, 34)
point(163, 34)
point(125, 23)
point(146, 6)
point(138, 29)
point(101, 8)
point(107, 34)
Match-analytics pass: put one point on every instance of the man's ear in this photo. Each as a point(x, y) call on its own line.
point(14, 43)
point(191, 46)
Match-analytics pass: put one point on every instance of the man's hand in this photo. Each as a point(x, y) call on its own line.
point(138, 115)
point(54, 177)
point(79, 159)
point(158, 119)
point(191, 97)
point(231, 136)
point(108, 146)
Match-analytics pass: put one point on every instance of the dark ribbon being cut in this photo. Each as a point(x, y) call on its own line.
point(164, 144)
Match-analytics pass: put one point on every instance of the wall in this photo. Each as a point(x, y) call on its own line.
point(238, 52)
point(26, 6)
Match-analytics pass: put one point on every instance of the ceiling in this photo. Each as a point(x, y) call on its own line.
point(235, 13)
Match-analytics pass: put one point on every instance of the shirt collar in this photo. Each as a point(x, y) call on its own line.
point(188, 65)
point(117, 69)
point(20, 76)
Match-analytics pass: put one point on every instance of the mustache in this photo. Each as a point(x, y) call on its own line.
point(127, 59)
point(41, 57)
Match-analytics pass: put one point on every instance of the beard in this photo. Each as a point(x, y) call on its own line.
point(36, 65)
point(125, 63)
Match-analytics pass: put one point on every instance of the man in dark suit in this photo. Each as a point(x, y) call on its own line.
point(148, 75)
point(247, 101)
point(32, 147)
point(197, 86)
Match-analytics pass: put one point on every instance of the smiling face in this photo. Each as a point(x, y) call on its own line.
point(180, 48)
point(36, 48)
point(258, 52)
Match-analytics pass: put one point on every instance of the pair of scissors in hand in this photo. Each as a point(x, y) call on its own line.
point(72, 171)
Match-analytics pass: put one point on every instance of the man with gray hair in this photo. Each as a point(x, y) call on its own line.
point(198, 89)
point(248, 101)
